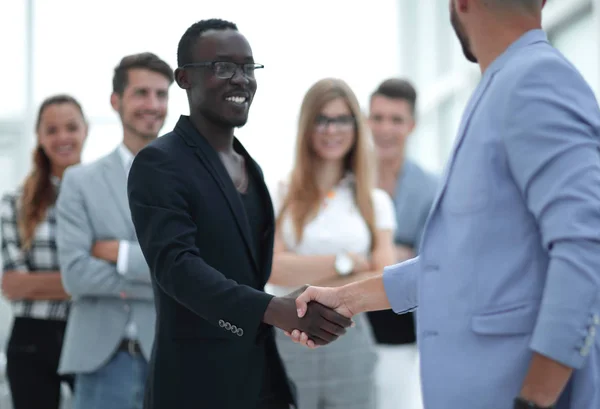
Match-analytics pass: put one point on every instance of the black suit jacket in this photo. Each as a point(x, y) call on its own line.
point(211, 346)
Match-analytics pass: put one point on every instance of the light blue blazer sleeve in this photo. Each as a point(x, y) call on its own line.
point(400, 283)
point(552, 146)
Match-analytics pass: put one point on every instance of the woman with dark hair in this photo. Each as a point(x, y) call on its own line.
point(30, 275)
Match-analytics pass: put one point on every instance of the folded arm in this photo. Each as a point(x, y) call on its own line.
point(82, 274)
point(383, 255)
point(17, 282)
point(552, 145)
point(131, 263)
point(43, 285)
point(291, 269)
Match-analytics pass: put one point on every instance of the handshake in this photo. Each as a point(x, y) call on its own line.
point(312, 316)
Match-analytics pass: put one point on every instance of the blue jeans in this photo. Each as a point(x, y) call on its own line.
point(117, 385)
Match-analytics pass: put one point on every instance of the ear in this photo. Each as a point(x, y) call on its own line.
point(115, 101)
point(182, 78)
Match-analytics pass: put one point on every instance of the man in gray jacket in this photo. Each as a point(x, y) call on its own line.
point(110, 330)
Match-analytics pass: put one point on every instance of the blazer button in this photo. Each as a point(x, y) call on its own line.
point(234, 329)
point(227, 326)
point(221, 323)
point(239, 332)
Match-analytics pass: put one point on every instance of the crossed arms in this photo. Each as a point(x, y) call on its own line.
point(89, 267)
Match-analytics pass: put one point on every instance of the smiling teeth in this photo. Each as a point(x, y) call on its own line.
point(63, 149)
point(332, 143)
point(237, 100)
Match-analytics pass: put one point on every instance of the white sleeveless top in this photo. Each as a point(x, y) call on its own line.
point(338, 226)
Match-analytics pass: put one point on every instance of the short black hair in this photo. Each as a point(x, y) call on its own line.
point(146, 61)
point(189, 38)
point(398, 88)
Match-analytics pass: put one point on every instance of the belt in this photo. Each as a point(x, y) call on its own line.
point(131, 346)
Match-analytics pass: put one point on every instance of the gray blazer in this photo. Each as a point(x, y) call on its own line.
point(92, 205)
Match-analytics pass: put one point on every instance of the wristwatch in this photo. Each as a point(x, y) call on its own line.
point(344, 264)
point(521, 403)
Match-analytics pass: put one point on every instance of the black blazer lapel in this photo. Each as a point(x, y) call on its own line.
point(217, 170)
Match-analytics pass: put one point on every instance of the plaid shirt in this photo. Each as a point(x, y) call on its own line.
point(40, 258)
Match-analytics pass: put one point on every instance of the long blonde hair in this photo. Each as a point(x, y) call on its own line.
point(303, 197)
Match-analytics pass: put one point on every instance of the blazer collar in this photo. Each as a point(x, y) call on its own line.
point(527, 39)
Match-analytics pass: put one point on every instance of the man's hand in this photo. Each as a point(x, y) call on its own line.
point(107, 250)
point(327, 296)
point(321, 324)
point(545, 381)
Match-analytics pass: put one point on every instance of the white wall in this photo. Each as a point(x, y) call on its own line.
point(433, 59)
point(77, 44)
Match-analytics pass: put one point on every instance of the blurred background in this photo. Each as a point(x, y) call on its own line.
point(72, 46)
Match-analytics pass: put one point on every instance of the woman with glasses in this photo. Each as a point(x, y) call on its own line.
point(333, 227)
point(31, 274)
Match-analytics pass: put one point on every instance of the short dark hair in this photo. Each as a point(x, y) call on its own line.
point(191, 35)
point(398, 88)
point(527, 5)
point(146, 61)
point(57, 100)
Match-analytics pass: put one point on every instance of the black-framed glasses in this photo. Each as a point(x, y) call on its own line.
point(226, 69)
point(342, 123)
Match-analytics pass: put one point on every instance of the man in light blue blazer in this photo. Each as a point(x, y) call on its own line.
point(508, 278)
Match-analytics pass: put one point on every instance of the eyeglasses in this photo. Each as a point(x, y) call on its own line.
point(341, 123)
point(226, 69)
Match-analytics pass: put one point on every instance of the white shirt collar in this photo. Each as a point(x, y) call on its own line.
point(126, 156)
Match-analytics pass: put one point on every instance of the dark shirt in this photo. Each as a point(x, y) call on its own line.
point(255, 206)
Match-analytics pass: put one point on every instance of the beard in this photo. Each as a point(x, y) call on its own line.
point(129, 124)
point(460, 34)
point(144, 135)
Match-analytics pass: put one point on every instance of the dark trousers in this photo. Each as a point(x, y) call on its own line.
point(32, 356)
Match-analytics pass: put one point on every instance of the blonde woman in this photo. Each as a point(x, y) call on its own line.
point(333, 227)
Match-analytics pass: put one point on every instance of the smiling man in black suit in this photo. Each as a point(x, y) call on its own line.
point(205, 223)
